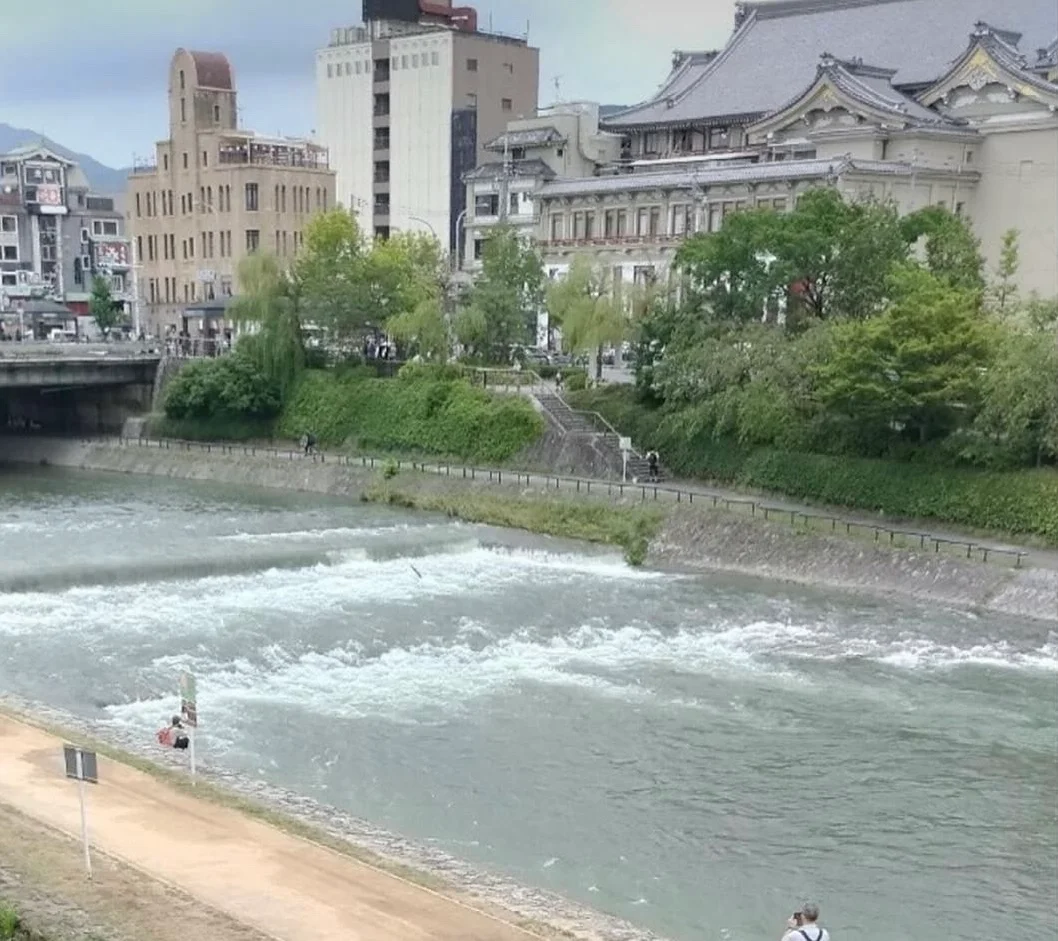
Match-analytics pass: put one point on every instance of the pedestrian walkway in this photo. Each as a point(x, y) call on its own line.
point(279, 884)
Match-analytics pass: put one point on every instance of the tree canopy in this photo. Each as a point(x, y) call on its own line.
point(590, 310)
point(101, 306)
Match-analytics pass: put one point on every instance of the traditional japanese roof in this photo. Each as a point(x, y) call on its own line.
point(993, 56)
point(519, 169)
point(527, 137)
point(36, 150)
point(776, 44)
point(862, 89)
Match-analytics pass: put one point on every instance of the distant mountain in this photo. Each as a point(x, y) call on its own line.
point(104, 180)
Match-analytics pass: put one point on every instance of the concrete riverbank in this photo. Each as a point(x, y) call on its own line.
point(695, 537)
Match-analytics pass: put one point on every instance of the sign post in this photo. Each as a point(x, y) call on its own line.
point(81, 765)
point(626, 447)
point(189, 713)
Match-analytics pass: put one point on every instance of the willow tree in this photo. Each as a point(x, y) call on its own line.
point(591, 312)
point(268, 301)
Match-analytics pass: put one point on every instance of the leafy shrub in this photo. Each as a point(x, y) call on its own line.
point(575, 380)
point(231, 387)
point(416, 413)
point(1021, 502)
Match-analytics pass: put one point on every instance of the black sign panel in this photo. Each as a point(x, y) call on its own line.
point(407, 10)
point(89, 770)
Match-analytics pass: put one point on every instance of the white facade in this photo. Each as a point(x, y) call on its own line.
point(344, 89)
point(420, 121)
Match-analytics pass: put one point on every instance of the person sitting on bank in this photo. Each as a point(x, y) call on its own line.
point(802, 926)
point(174, 735)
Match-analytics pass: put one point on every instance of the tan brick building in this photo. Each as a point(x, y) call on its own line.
point(215, 193)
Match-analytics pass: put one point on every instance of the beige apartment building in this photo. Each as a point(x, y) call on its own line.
point(214, 194)
point(407, 102)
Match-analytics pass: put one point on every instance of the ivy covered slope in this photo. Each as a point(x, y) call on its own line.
point(424, 410)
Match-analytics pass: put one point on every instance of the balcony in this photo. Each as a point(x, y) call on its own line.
point(308, 156)
point(617, 241)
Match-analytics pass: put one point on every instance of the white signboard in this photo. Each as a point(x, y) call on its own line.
point(625, 444)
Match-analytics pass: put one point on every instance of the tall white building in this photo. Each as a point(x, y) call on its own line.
point(407, 102)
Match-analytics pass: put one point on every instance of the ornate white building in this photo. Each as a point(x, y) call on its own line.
point(957, 105)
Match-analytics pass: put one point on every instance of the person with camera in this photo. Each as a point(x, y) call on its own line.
point(802, 925)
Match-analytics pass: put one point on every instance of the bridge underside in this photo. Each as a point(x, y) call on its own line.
point(82, 410)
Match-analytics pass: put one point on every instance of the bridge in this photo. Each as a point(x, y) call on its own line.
point(75, 387)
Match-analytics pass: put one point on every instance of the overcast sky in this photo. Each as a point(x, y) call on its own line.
point(94, 79)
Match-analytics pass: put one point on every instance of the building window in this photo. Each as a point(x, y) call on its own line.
point(137, 205)
point(183, 109)
point(651, 142)
point(472, 65)
point(434, 60)
point(578, 225)
point(558, 224)
point(104, 227)
point(589, 225)
point(139, 247)
point(415, 60)
point(682, 219)
point(509, 67)
point(216, 114)
point(622, 223)
point(253, 240)
point(479, 249)
point(182, 86)
point(487, 204)
point(382, 104)
point(381, 171)
point(283, 198)
point(9, 225)
point(165, 161)
point(404, 62)
point(717, 138)
point(506, 104)
point(185, 159)
point(382, 67)
point(11, 252)
point(330, 71)
point(382, 233)
point(252, 200)
point(472, 100)
point(205, 158)
point(381, 138)
point(609, 223)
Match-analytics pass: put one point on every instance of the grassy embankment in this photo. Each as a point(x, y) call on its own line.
point(441, 417)
point(10, 923)
point(1019, 503)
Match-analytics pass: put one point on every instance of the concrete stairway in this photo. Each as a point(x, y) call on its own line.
point(605, 438)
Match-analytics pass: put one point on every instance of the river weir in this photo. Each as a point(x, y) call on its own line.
point(691, 754)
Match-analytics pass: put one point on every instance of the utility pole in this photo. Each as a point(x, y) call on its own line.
point(505, 176)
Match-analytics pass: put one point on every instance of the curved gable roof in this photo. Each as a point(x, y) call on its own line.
point(778, 44)
point(213, 70)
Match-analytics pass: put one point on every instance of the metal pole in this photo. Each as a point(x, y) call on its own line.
point(84, 813)
point(624, 467)
point(191, 749)
point(135, 288)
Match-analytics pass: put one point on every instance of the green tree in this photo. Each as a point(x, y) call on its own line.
point(327, 275)
point(423, 330)
point(827, 258)
point(505, 299)
point(589, 309)
point(914, 371)
point(1018, 422)
point(269, 301)
point(952, 252)
point(101, 306)
point(1004, 287)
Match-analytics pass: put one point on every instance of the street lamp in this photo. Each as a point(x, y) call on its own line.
point(433, 231)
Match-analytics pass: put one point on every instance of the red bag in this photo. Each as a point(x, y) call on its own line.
point(165, 737)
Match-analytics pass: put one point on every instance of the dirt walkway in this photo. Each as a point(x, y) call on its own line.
point(257, 875)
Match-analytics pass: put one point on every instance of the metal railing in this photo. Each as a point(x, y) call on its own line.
point(894, 537)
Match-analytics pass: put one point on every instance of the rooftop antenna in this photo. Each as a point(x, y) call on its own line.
point(558, 88)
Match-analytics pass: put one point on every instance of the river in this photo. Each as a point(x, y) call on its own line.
point(692, 754)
